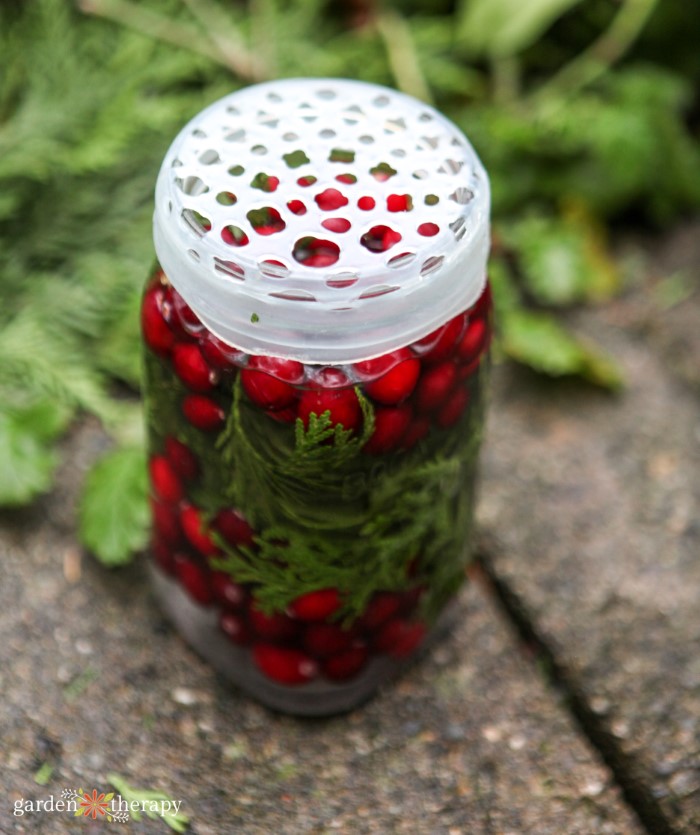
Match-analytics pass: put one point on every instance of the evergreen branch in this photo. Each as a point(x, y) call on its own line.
point(162, 28)
point(402, 55)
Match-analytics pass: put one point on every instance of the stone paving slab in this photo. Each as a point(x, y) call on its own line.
point(471, 741)
point(591, 504)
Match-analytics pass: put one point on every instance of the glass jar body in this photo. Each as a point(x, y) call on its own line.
point(310, 524)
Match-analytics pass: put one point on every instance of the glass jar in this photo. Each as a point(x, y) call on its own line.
point(316, 338)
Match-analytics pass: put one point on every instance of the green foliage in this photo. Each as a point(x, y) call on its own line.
point(113, 510)
point(551, 92)
point(146, 799)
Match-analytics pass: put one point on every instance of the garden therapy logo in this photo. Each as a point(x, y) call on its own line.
point(127, 803)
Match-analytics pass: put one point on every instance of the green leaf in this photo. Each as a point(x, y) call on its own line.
point(113, 513)
point(177, 821)
point(562, 260)
point(46, 419)
point(26, 463)
point(538, 340)
point(505, 27)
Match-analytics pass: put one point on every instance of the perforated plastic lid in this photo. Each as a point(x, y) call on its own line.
point(322, 219)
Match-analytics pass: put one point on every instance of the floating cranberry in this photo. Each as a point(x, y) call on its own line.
point(417, 430)
point(164, 480)
point(184, 319)
point(482, 306)
point(182, 459)
point(474, 340)
point(275, 627)
point(196, 531)
point(234, 528)
point(397, 383)
point(315, 605)
point(155, 308)
point(434, 386)
point(382, 606)
point(235, 628)
point(227, 591)
point(194, 579)
point(286, 666)
point(290, 371)
point(453, 409)
point(324, 639)
point(443, 341)
point(218, 353)
point(346, 664)
point(166, 524)
point(400, 637)
point(390, 423)
point(288, 415)
point(267, 391)
point(191, 367)
point(203, 412)
point(342, 405)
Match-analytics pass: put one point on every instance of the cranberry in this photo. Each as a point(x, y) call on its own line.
point(286, 666)
point(330, 377)
point(235, 628)
point(191, 367)
point(164, 480)
point(397, 383)
point(275, 627)
point(474, 340)
point(342, 404)
point(155, 308)
point(417, 430)
point(382, 606)
point(227, 591)
point(434, 386)
point(288, 415)
point(203, 412)
point(324, 639)
point(196, 531)
point(390, 423)
point(181, 458)
point(267, 391)
point(166, 524)
point(315, 605)
point(482, 306)
point(345, 664)
point(411, 598)
point(184, 318)
point(234, 528)
point(465, 371)
point(451, 412)
point(218, 353)
point(193, 577)
point(290, 371)
point(443, 341)
point(400, 637)
point(163, 555)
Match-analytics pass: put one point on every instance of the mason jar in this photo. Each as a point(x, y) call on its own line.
point(316, 335)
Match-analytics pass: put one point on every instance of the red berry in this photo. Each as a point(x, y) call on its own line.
point(342, 404)
point(482, 306)
point(275, 627)
point(163, 555)
point(164, 480)
point(443, 341)
point(227, 591)
point(203, 412)
point(465, 371)
point(410, 599)
point(218, 353)
point(382, 606)
point(193, 577)
point(283, 415)
point(234, 528)
point(289, 371)
point(235, 628)
point(434, 386)
point(400, 637)
point(184, 319)
point(315, 605)
point(417, 430)
point(324, 639)
point(451, 412)
point(155, 309)
point(397, 383)
point(390, 423)
point(191, 367)
point(181, 458)
point(166, 525)
point(475, 338)
point(330, 378)
point(266, 391)
point(196, 531)
point(286, 666)
point(346, 664)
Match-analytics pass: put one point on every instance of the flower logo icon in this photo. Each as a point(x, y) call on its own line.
point(94, 805)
